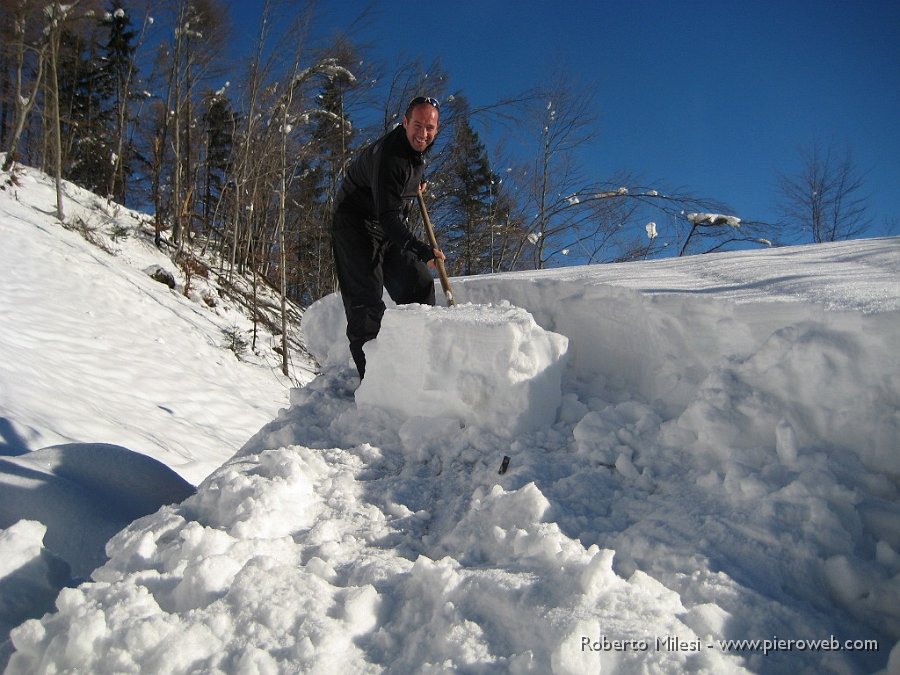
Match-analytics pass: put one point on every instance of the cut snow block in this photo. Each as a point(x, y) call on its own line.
point(489, 366)
point(324, 329)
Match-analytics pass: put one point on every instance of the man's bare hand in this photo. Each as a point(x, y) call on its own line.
point(438, 255)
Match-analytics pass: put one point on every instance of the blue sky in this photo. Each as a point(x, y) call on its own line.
point(713, 97)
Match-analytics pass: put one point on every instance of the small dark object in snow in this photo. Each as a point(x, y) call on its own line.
point(504, 465)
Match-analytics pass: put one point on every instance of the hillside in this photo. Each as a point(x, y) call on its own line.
point(82, 302)
point(700, 470)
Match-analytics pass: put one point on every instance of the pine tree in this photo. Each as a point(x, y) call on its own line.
point(219, 125)
point(86, 117)
point(118, 71)
point(469, 186)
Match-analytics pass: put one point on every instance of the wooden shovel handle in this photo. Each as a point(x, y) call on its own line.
point(442, 272)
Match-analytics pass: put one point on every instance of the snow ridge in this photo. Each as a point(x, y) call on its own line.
point(721, 465)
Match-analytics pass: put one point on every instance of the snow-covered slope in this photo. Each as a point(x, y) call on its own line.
point(132, 384)
point(94, 350)
point(723, 466)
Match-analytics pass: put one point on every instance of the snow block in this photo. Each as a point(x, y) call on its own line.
point(489, 366)
point(324, 329)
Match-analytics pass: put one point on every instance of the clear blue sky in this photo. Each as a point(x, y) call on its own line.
point(714, 97)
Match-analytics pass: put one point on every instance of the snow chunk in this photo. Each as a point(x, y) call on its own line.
point(489, 366)
point(30, 575)
point(323, 326)
point(714, 219)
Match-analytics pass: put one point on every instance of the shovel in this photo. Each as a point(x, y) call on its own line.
point(442, 273)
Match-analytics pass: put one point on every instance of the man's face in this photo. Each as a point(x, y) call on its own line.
point(421, 126)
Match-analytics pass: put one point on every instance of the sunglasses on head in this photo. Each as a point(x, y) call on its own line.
point(419, 100)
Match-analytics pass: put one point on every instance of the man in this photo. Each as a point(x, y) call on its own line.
point(373, 246)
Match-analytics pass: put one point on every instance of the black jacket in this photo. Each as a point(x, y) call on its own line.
point(378, 186)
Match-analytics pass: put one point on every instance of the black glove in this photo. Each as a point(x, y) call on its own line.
point(420, 249)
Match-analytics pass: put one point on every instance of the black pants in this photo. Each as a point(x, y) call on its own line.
point(367, 264)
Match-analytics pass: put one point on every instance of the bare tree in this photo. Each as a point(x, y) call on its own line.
point(197, 40)
point(825, 200)
point(565, 214)
point(718, 230)
point(565, 125)
point(284, 119)
point(58, 15)
point(22, 46)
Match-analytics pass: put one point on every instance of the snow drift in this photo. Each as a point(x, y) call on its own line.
point(84, 494)
point(718, 491)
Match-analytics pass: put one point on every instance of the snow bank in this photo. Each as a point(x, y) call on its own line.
point(128, 361)
point(84, 493)
point(294, 560)
point(488, 366)
point(720, 468)
point(800, 364)
point(326, 545)
point(30, 576)
point(59, 506)
point(790, 365)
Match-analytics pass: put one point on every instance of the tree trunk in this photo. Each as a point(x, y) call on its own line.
point(54, 110)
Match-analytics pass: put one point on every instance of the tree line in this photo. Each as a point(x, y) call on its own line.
point(144, 102)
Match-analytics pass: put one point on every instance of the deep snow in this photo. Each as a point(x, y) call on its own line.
point(722, 464)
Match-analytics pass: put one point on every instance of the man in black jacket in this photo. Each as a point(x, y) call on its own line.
point(373, 246)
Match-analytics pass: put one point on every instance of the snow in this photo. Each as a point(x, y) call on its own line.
point(714, 219)
point(89, 492)
point(90, 351)
point(484, 365)
point(707, 450)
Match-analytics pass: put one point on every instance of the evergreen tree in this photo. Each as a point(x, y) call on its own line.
point(219, 125)
point(470, 208)
point(117, 72)
point(85, 115)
